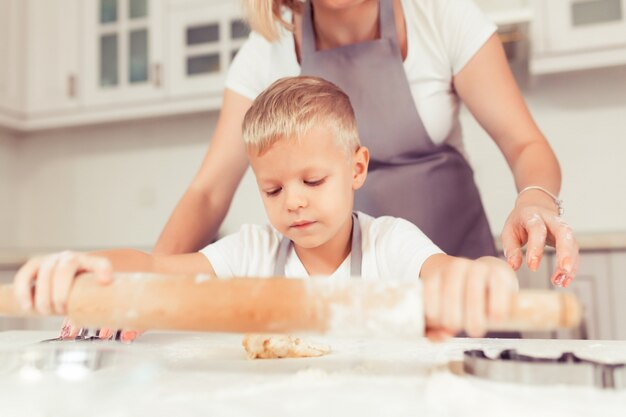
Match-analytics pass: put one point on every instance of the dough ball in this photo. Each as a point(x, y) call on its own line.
point(273, 346)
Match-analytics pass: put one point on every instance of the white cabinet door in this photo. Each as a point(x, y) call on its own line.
point(52, 42)
point(575, 25)
point(203, 39)
point(618, 272)
point(122, 51)
point(10, 17)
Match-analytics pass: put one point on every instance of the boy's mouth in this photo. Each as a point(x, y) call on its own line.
point(301, 224)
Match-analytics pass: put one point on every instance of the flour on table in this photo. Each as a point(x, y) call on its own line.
point(273, 346)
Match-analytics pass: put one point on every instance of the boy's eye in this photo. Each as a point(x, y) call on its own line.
point(272, 193)
point(314, 183)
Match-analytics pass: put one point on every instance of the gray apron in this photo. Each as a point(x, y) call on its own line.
point(355, 252)
point(409, 176)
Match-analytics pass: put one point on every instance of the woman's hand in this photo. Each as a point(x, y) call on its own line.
point(462, 294)
point(535, 222)
point(44, 284)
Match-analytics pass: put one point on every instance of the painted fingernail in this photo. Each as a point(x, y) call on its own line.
point(558, 281)
point(533, 263)
point(568, 281)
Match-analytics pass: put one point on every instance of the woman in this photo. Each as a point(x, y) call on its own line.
point(406, 65)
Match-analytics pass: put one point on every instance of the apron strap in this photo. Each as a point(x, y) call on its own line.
point(386, 22)
point(307, 42)
point(356, 251)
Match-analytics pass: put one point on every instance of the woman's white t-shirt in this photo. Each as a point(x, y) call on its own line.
point(392, 248)
point(442, 36)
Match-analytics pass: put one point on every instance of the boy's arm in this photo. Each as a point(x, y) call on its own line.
point(130, 260)
point(462, 294)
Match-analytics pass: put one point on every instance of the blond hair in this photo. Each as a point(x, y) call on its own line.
point(265, 16)
point(291, 107)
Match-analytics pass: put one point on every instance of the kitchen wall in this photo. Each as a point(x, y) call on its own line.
point(116, 184)
point(8, 188)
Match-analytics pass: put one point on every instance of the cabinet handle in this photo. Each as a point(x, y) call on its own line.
point(156, 74)
point(71, 86)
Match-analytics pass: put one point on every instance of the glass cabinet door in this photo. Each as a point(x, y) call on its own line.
point(122, 48)
point(203, 42)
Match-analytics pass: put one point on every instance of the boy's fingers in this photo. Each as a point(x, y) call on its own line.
point(65, 273)
point(453, 300)
point(500, 291)
point(438, 334)
point(432, 300)
point(43, 285)
point(22, 285)
point(476, 308)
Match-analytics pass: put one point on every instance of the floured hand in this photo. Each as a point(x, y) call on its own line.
point(274, 346)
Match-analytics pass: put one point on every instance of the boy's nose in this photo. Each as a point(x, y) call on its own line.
point(295, 200)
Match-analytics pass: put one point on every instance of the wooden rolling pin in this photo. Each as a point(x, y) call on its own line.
point(356, 307)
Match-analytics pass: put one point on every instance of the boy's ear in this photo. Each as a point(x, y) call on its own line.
point(359, 172)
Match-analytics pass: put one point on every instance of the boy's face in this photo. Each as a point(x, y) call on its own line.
point(308, 186)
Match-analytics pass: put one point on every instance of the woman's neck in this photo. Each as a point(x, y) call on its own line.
point(338, 27)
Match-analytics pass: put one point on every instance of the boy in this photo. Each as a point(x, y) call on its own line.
point(303, 146)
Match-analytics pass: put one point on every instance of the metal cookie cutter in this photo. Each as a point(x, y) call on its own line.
point(85, 334)
point(510, 366)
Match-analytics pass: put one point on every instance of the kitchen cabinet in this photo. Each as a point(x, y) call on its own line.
point(123, 51)
point(77, 62)
point(39, 48)
point(203, 38)
point(577, 34)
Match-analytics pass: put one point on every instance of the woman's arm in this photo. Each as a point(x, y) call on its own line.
point(488, 88)
point(198, 215)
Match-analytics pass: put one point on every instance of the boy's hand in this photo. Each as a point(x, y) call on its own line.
point(461, 294)
point(43, 284)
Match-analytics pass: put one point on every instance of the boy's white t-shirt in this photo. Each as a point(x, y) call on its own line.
point(392, 248)
point(442, 36)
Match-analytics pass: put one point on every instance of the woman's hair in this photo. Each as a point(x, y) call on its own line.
point(265, 16)
point(291, 107)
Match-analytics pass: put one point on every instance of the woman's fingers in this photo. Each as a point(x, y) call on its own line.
point(537, 232)
point(567, 255)
point(512, 242)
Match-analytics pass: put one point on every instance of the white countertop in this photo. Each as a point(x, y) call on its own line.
point(202, 374)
